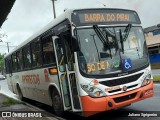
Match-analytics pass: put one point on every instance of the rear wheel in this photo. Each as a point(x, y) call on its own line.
point(57, 104)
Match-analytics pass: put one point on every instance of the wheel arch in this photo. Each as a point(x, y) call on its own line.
point(17, 85)
point(53, 87)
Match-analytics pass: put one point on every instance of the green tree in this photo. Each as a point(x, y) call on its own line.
point(2, 35)
point(1, 62)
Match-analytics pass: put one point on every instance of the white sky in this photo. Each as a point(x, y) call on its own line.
point(29, 16)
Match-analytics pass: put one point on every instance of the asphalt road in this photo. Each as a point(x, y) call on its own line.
point(151, 104)
point(156, 71)
point(5, 90)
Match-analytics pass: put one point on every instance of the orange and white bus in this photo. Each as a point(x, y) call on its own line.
point(85, 61)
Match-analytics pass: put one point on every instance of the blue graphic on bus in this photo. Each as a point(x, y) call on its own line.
point(127, 64)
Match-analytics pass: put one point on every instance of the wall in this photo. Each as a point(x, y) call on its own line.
point(155, 58)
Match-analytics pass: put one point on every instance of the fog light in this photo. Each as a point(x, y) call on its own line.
point(110, 104)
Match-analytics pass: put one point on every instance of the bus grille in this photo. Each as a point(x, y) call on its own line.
point(121, 81)
point(120, 89)
point(125, 98)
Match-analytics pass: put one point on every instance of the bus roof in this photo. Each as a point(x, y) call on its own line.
point(51, 24)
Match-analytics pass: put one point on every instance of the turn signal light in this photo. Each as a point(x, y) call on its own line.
point(52, 71)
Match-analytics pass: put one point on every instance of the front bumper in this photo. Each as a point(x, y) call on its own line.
point(95, 105)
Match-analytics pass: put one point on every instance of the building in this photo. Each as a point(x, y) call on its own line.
point(152, 35)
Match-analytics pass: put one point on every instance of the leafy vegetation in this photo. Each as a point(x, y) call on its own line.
point(9, 101)
point(1, 62)
point(156, 78)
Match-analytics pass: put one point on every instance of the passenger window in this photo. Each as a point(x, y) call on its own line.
point(36, 54)
point(26, 57)
point(19, 60)
point(14, 62)
point(48, 51)
point(7, 65)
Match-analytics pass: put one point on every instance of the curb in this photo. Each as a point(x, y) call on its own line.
point(50, 114)
point(24, 105)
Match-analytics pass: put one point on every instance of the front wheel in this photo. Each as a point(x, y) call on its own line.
point(57, 104)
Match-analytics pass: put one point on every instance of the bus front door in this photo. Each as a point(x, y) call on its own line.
point(66, 76)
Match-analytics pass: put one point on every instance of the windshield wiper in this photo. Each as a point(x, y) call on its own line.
point(126, 31)
point(103, 39)
point(123, 38)
point(121, 41)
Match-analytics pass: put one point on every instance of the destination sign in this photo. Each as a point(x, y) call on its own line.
point(104, 16)
point(98, 17)
point(98, 66)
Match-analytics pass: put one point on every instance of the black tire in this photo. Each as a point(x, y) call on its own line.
point(57, 104)
point(20, 93)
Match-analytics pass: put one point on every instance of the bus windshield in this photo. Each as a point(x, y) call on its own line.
point(126, 50)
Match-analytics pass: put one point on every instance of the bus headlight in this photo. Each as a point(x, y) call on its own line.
point(146, 80)
point(93, 91)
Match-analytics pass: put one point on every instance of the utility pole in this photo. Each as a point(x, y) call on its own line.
point(7, 46)
point(54, 11)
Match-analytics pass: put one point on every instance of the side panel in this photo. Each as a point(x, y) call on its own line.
point(34, 84)
point(9, 82)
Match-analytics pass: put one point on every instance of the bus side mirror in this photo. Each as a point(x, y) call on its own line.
point(75, 44)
